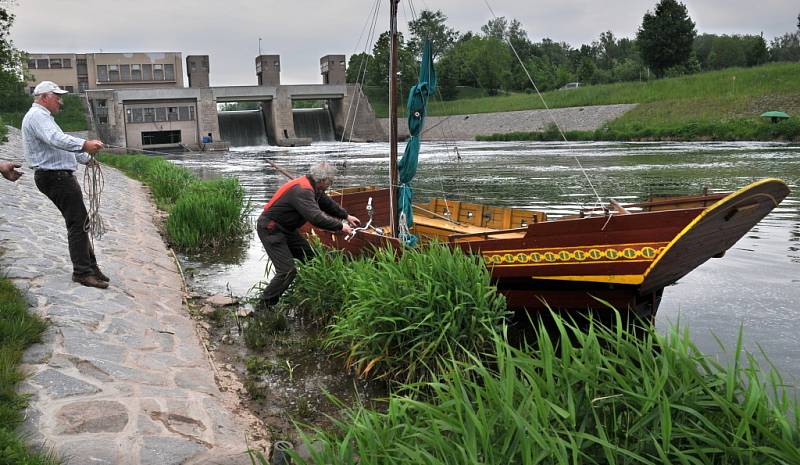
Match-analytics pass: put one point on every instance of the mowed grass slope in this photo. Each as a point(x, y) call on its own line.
point(719, 104)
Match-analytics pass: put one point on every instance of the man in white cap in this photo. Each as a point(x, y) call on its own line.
point(55, 156)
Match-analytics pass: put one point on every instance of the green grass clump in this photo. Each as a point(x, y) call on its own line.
point(201, 213)
point(588, 396)
point(18, 330)
point(207, 213)
point(409, 312)
point(3, 131)
point(321, 288)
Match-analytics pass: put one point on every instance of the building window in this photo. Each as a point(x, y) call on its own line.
point(102, 73)
point(135, 115)
point(169, 72)
point(161, 114)
point(66, 62)
point(83, 83)
point(191, 113)
point(172, 114)
point(81, 67)
point(43, 63)
point(183, 114)
point(55, 63)
point(136, 72)
point(147, 72)
point(32, 89)
point(69, 89)
point(113, 73)
point(158, 72)
point(161, 137)
point(149, 115)
point(124, 72)
point(31, 64)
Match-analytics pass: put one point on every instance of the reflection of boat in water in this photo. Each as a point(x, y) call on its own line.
point(621, 255)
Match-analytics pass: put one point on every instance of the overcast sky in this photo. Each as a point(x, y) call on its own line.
point(302, 31)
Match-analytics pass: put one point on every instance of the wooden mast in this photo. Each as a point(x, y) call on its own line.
point(393, 178)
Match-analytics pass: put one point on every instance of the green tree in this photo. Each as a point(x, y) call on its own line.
point(356, 67)
point(785, 47)
point(431, 25)
point(12, 86)
point(665, 37)
point(378, 67)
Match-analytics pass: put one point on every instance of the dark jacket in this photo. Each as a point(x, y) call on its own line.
point(299, 201)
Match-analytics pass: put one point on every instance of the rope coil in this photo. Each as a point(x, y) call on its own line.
point(93, 183)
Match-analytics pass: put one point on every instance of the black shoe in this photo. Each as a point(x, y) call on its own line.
point(99, 274)
point(89, 280)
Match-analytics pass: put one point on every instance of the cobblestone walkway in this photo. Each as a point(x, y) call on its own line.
point(121, 376)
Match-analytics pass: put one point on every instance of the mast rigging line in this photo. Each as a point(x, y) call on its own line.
point(549, 113)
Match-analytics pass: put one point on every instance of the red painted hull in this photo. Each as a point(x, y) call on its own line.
point(576, 264)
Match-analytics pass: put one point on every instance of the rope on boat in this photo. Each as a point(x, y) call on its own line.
point(549, 112)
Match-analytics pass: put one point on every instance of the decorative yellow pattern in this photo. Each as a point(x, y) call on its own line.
point(577, 255)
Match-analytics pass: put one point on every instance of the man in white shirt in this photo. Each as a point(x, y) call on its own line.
point(55, 156)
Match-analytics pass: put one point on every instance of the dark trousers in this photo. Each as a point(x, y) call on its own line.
point(282, 248)
point(61, 187)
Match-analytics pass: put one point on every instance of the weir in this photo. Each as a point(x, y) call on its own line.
point(140, 117)
point(244, 128)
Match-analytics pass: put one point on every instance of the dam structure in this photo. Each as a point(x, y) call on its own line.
point(194, 117)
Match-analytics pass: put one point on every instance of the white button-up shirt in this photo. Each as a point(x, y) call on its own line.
point(46, 146)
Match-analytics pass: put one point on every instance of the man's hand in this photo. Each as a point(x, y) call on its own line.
point(347, 229)
point(92, 162)
point(93, 146)
point(353, 220)
point(8, 170)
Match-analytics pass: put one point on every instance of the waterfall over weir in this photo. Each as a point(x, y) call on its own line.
point(315, 123)
point(243, 128)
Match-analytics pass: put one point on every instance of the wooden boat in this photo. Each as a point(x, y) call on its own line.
point(620, 255)
point(625, 259)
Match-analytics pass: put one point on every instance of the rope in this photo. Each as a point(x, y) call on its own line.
point(93, 183)
point(549, 113)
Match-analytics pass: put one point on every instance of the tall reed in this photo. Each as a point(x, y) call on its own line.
point(409, 312)
point(588, 396)
point(201, 213)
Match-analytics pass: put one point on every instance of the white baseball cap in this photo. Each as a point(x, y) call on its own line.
point(48, 86)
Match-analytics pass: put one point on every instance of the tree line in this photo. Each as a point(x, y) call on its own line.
point(666, 45)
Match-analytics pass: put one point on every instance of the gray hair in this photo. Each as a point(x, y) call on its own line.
point(322, 171)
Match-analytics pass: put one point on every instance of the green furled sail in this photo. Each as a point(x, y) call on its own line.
point(416, 107)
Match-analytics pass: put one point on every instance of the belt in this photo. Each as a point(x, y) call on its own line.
point(41, 170)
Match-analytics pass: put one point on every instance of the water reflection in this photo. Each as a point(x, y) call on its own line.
point(755, 285)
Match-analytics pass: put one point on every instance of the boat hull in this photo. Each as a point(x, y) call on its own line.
point(612, 260)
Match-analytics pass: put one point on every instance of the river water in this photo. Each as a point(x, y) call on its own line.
point(755, 287)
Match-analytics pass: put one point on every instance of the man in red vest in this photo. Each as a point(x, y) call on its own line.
point(298, 201)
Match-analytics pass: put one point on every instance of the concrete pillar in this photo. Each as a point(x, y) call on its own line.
point(268, 70)
point(280, 122)
point(354, 117)
point(333, 69)
point(208, 121)
point(197, 69)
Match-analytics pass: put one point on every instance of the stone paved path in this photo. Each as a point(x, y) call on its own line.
point(121, 376)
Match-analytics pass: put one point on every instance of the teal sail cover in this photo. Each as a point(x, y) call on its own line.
point(416, 107)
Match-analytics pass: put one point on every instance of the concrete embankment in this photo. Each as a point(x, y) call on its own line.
point(121, 376)
point(466, 127)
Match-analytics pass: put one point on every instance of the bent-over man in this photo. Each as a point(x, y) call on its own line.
point(55, 156)
point(298, 201)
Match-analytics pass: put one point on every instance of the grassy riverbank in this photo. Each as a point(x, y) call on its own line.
point(202, 214)
point(18, 330)
point(72, 116)
point(721, 105)
point(462, 393)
